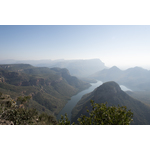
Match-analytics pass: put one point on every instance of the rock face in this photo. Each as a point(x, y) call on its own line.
point(111, 93)
point(50, 88)
point(6, 122)
point(2, 79)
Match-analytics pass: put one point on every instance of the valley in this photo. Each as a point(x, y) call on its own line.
point(76, 98)
point(50, 89)
point(111, 93)
point(55, 91)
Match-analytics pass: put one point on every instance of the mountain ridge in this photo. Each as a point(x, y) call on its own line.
point(78, 68)
point(48, 88)
point(135, 78)
point(111, 93)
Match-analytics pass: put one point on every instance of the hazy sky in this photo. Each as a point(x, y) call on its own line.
point(119, 45)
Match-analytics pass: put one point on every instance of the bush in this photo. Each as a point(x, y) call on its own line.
point(103, 115)
point(45, 119)
point(20, 114)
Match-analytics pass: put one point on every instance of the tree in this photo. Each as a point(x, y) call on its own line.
point(45, 119)
point(20, 116)
point(103, 115)
point(64, 120)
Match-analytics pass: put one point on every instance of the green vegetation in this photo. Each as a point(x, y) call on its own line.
point(143, 96)
point(50, 89)
point(111, 93)
point(103, 115)
point(64, 120)
point(18, 113)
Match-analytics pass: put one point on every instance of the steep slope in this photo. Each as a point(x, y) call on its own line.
point(49, 88)
point(111, 93)
point(71, 80)
point(143, 96)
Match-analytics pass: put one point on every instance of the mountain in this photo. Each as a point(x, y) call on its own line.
point(50, 89)
point(79, 68)
point(111, 93)
point(108, 74)
point(134, 78)
point(143, 96)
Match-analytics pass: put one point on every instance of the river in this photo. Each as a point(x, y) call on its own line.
point(74, 99)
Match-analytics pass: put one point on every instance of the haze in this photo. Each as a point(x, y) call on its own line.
point(118, 45)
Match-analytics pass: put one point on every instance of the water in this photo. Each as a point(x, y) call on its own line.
point(125, 88)
point(74, 99)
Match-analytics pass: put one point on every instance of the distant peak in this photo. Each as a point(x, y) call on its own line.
point(140, 68)
point(137, 68)
point(114, 67)
point(111, 82)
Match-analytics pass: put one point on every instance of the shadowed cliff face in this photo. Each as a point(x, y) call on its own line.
point(111, 93)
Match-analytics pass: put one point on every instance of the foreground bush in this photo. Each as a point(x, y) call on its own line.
point(103, 115)
point(18, 112)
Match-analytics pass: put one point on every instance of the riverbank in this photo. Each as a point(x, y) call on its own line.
point(74, 99)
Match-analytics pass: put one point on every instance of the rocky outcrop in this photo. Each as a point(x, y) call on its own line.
point(55, 86)
point(2, 79)
point(5, 101)
point(6, 122)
